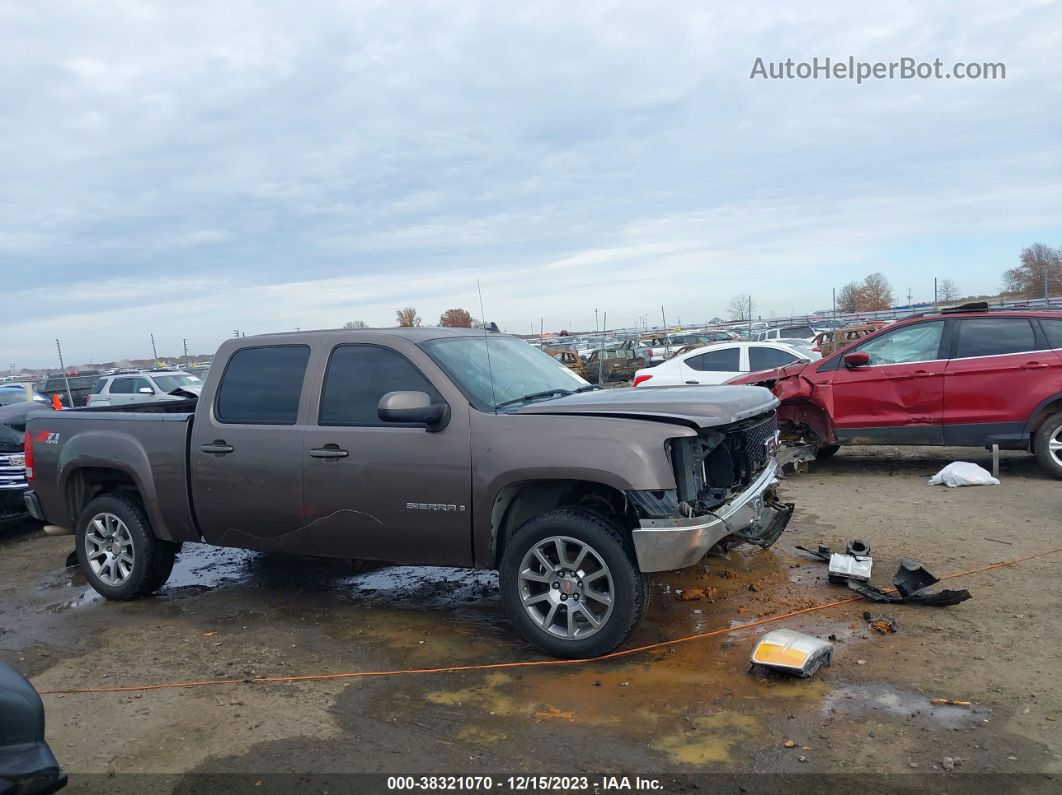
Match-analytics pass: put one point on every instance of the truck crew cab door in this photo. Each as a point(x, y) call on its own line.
point(382, 490)
point(246, 451)
point(898, 397)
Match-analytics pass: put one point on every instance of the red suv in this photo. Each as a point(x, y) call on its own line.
point(969, 377)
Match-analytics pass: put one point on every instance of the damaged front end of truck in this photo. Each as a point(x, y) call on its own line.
point(726, 482)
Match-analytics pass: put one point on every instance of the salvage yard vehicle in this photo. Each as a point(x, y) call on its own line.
point(149, 386)
point(429, 446)
point(965, 377)
point(714, 364)
point(13, 483)
point(616, 365)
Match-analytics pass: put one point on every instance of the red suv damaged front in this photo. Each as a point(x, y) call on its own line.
point(969, 378)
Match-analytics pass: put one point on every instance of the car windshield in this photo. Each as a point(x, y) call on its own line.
point(9, 397)
point(168, 383)
point(518, 370)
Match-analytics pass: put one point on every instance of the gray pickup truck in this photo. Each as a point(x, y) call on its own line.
point(446, 447)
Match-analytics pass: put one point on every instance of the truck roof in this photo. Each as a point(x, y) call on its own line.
point(417, 334)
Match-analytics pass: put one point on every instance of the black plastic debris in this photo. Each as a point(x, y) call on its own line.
point(912, 577)
point(858, 549)
point(822, 553)
point(911, 581)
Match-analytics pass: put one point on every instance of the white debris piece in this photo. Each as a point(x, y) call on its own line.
point(963, 473)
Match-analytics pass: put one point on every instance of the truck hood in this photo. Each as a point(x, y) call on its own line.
point(697, 406)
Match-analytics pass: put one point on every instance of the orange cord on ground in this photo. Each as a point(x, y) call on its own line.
point(525, 663)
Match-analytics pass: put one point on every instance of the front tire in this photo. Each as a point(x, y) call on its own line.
point(1047, 444)
point(570, 585)
point(117, 550)
point(828, 451)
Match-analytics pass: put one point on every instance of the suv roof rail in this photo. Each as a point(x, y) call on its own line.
point(976, 306)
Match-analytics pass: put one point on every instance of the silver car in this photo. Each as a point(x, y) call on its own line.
point(121, 389)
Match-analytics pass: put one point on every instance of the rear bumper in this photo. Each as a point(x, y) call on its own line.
point(33, 506)
point(755, 516)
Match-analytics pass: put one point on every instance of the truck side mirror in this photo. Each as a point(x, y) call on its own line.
point(857, 359)
point(413, 407)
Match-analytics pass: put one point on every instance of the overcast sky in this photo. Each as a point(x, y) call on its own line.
point(191, 168)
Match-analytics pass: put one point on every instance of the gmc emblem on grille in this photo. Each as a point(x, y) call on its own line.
point(773, 444)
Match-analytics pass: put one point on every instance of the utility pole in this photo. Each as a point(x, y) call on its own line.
point(236, 333)
point(185, 343)
point(936, 305)
point(541, 325)
point(66, 380)
point(667, 336)
point(154, 352)
point(601, 352)
point(1045, 283)
point(908, 297)
point(834, 304)
point(750, 316)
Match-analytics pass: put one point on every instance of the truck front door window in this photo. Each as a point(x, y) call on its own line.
point(358, 376)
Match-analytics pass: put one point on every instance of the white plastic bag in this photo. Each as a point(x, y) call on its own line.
point(963, 473)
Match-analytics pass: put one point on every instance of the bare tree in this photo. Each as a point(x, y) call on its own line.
point(877, 293)
point(947, 290)
point(355, 324)
point(408, 317)
point(456, 318)
point(741, 307)
point(1028, 278)
point(850, 298)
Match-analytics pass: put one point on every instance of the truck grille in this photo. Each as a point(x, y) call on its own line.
point(12, 473)
point(758, 443)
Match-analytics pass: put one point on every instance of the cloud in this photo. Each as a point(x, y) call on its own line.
point(186, 169)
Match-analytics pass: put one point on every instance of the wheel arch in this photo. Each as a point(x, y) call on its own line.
point(517, 502)
point(1045, 409)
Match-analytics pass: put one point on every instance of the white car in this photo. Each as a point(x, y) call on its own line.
point(714, 364)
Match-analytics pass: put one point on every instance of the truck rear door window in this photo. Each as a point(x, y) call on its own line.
point(995, 336)
point(261, 386)
point(358, 376)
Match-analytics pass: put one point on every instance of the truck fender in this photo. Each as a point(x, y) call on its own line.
point(123, 454)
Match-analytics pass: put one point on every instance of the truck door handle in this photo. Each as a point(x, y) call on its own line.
point(1033, 366)
point(218, 446)
point(328, 451)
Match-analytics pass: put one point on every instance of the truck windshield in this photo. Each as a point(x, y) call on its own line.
point(517, 369)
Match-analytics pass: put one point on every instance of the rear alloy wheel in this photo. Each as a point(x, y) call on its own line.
point(570, 584)
point(1047, 444)
point(118, 551)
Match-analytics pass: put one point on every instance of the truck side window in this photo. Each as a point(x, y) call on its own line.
point(727, 360)
point(358, 376)
point(995, 336)
point(261, 386)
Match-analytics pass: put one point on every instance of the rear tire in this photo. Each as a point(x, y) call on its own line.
point(117, 550)
point(829, 451)
point(1047, 444)
point(570, 584)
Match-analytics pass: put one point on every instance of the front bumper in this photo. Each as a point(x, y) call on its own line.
point(755, 516)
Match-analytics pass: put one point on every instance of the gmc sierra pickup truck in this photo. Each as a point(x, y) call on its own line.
point(446, 447)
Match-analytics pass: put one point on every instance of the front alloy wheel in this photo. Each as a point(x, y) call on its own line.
point(566, 588)
point(109, 549)
point(570, 583)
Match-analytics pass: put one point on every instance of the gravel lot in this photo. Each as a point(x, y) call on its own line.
point(688, 708)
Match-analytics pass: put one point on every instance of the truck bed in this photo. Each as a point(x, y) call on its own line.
point(146, 443)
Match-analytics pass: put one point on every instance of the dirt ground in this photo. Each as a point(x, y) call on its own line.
point(690, 708)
